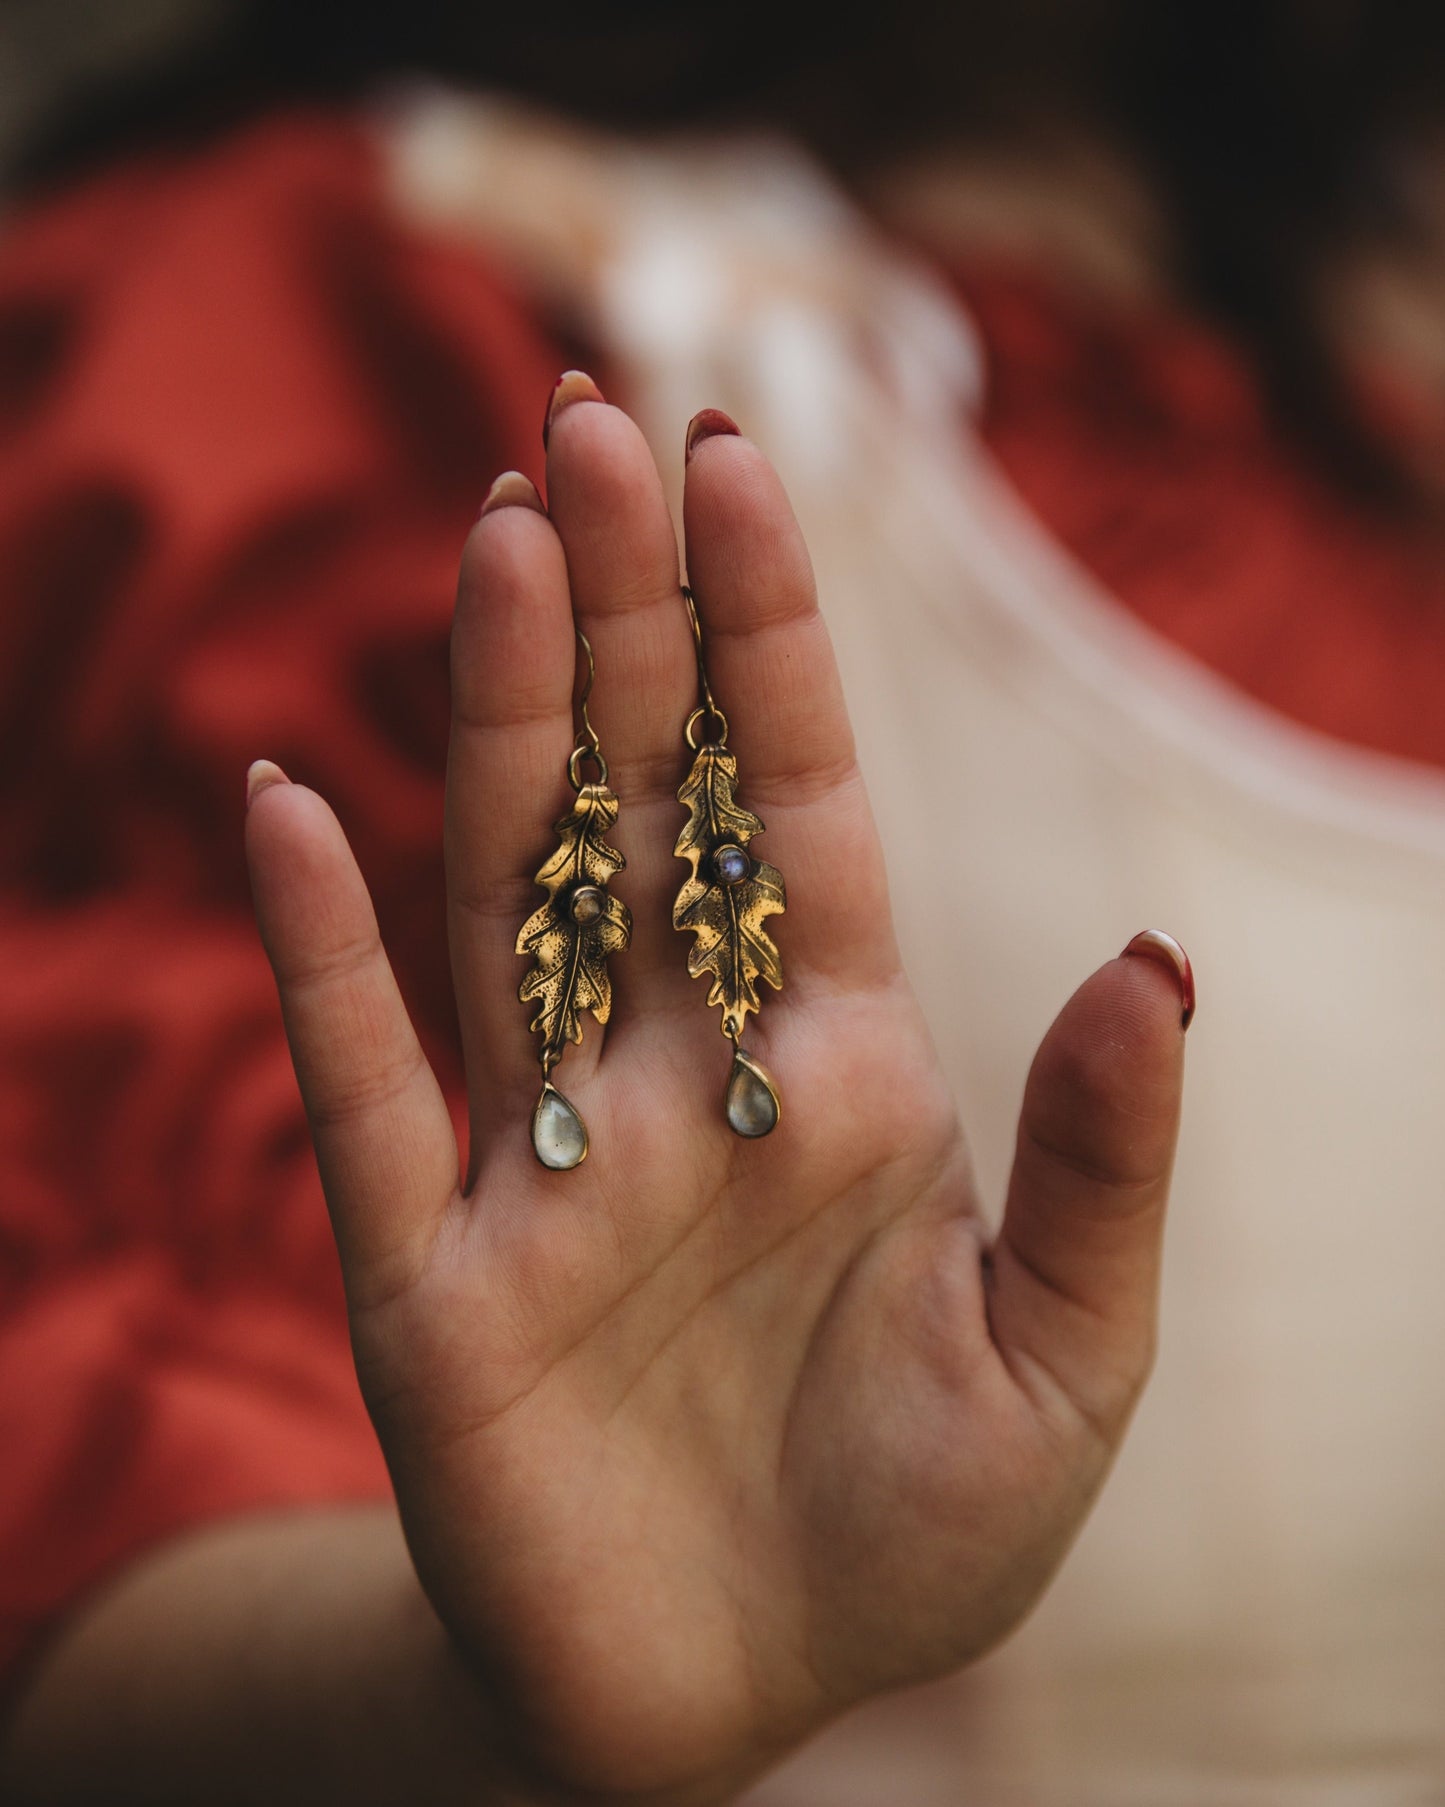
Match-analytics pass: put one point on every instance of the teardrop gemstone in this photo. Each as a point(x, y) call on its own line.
point(559, 1135)
point(752, 1098)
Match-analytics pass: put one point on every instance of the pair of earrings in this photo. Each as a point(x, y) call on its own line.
point(723, 903)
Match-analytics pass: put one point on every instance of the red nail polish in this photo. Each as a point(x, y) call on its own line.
point(709, 423)
point(1154, 944)
point(572, 386)
point(512, 490)
point(261, 774)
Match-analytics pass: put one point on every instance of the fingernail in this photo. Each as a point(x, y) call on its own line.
point(512, 490)
point(261, 774)
point(709, 423)
point(571, 386)
point(1154, 944)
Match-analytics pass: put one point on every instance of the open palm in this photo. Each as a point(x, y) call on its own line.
point(708, 1438)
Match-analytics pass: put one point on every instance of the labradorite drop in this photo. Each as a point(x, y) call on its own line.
point(558, 1134)
point(752, 1099)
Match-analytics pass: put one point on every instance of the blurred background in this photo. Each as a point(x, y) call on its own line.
point(1288, 151)
point(1101, 345)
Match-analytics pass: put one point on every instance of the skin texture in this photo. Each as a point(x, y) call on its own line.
point(702, 1442)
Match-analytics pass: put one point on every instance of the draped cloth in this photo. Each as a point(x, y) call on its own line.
point(246, 418)
point(257, 398)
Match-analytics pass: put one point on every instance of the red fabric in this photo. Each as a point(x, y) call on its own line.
point(245, 422)
point(1140, 439)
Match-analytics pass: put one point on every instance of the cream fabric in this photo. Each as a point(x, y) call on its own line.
point(1256, 1611)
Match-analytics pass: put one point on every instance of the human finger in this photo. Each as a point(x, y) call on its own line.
point(1076, 1265)
point(513, 666)
point(774, 676)
point(383, 1134)
point(606, 500)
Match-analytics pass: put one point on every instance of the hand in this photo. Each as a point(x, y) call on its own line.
point(706, 1439)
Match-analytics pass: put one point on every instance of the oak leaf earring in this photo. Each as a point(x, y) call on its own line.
point(726, 899)
point(571, 936)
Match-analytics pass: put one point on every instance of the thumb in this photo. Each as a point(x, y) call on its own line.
point(1076, 1266)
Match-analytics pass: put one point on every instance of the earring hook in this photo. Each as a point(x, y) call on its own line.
point(587, 734)
point(588, 746)
point(708, 709)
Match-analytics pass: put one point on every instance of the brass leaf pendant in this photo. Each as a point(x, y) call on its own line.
point(570, 937)
point(729, 895)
